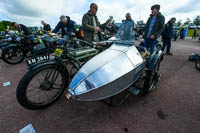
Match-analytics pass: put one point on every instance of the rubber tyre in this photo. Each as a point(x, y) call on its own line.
point(197, 64)
point(6, 51)
point(24, 82)
point(151, 79)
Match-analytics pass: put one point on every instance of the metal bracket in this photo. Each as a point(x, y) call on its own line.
point(131, 90)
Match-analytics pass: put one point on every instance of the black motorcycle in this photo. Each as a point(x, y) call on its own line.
point(51, 74)
point(28, 46)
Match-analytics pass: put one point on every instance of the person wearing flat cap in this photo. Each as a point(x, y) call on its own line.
point(154, 27)
point(167, 35)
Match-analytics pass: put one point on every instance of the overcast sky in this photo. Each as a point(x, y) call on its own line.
point(31, 12)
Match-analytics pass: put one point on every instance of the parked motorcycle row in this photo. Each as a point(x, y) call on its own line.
point(86, 71)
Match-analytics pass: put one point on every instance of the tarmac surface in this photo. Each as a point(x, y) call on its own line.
point(174, 107)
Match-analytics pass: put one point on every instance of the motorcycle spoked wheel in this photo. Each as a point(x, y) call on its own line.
point(13, 55)
point(42, 87)
point(197, 64)
point(152, 78)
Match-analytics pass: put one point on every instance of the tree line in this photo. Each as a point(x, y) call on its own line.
point(4, 24)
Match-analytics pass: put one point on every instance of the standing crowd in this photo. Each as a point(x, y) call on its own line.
point(155, 26)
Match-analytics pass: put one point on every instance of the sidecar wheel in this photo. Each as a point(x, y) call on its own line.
point(151, 79)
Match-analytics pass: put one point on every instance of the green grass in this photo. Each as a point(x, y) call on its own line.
point(191, 31)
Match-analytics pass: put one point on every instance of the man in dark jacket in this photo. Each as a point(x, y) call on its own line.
point(154, 27)
point(91, 24)
point(167, 35)
point(46, 27)
point(194, 33)
point(66, 25)
point(21, 28)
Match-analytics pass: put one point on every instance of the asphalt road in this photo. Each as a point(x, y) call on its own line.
point(174, 107)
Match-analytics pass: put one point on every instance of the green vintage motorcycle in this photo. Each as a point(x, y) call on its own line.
point(49, 75)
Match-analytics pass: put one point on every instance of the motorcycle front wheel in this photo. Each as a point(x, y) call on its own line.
point(41, 87)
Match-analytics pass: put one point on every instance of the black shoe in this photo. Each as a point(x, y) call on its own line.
point(169, 54)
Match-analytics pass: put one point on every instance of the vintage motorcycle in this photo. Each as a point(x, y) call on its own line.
point(27, 46)
point(110, 72)
point(62, 65)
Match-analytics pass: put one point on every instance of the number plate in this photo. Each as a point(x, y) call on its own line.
point(38, 59)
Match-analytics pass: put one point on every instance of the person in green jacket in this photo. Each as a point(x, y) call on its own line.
point(154, 27)
point(90, 24)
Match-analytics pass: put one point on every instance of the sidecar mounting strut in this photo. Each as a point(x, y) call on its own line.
point(110, 101)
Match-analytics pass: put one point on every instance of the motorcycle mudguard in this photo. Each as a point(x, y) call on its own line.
point(41, 64)
point(51, 63)
point(12, 45)
point(3, 45)
point(8, 46)
point(154, 59)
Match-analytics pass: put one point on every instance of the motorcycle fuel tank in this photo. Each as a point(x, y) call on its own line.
point(107, 74)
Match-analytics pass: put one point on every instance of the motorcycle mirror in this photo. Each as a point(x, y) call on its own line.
point(9, 39)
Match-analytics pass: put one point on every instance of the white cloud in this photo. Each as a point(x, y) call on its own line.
point(189, 6)
point(31, 12)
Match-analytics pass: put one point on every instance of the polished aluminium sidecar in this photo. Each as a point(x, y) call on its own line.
point(111, 71)
point(108, 73)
